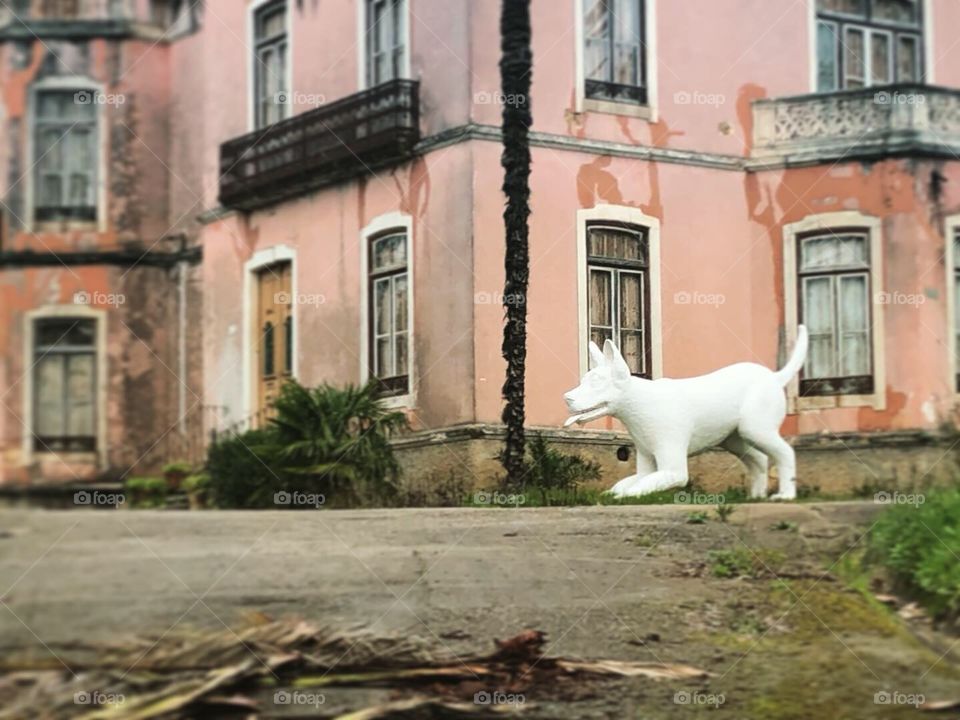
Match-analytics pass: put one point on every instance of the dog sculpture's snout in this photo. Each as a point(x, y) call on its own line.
point(568, 397)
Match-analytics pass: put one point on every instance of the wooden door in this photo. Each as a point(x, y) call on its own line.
point(274, 332)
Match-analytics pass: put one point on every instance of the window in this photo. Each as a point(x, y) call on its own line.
point(618, 297)
point(834, 280)
point(270, 63)
point(65, 155)
point(614, 50)
point(868, 42)
point(385, 40)
point(389, 313)
point(64, 416)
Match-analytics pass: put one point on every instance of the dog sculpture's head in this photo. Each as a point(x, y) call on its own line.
point(602, 389)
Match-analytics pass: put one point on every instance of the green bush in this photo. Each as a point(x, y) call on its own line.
point(323, 441)
point(919, 544)
point(146, 492)
point(178, 467)
point(240, 477)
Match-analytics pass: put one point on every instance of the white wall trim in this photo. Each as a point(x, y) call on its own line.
point(633, 216)
point(582, 104)
point(263, 259)
point(952, 228)
point(252, 9)
point(828, 222)
point(928, 76)
point(77, 83)
point(377, 226)
point(29, 362)
point(362, 39)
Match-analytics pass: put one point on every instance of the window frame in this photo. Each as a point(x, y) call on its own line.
point(75, 84)
point(254, 10)
point(622, 215)
point(101, 445)
point(826, 223)
point(380, 227)
point(51, 443)
point(844, 22)
point(952, 265)
point(648, 110)
point(834, 386)
point(364, 79)
point(616, 268)
point(617, 90)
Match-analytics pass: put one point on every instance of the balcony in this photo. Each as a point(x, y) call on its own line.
point(79, 19)
point(918, 120)
point(344, 139)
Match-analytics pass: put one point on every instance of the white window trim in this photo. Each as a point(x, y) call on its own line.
point(405, 71)
point(29, 364)
point(378, 226)
point(927, 39)
point(632, 216)
point(252, 9)
point(583, 104)
point(250, 353)
point(952, 227)
point(77, 83)
point(828, 222)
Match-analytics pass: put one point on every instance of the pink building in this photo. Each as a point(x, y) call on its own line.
point(706, 177)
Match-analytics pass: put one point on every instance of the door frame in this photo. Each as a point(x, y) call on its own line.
point(262, 259)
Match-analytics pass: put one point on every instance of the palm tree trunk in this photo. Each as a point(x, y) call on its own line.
point(515, 69)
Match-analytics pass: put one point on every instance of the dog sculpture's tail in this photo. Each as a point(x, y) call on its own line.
point(786, 373)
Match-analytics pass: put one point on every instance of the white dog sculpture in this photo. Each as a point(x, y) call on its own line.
point(739, 407)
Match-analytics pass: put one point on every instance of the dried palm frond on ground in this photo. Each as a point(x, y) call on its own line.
point(254, 672)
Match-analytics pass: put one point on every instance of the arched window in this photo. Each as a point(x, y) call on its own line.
point(618, 291)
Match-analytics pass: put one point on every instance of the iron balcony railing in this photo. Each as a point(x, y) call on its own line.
point(343, 139)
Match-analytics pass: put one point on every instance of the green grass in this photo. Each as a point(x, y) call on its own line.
point(918, 545)
point(742, 562)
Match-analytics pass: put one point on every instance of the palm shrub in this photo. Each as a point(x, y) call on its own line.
point(336, 441)
point(550, 476)
point(326, 440)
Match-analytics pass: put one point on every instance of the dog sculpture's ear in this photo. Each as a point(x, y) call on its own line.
point(596, 356)
point(613, 357)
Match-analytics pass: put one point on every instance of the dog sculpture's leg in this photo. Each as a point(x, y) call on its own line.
point(755, 461)
point(770, 442)
point(671, 472)
point(645, 466)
